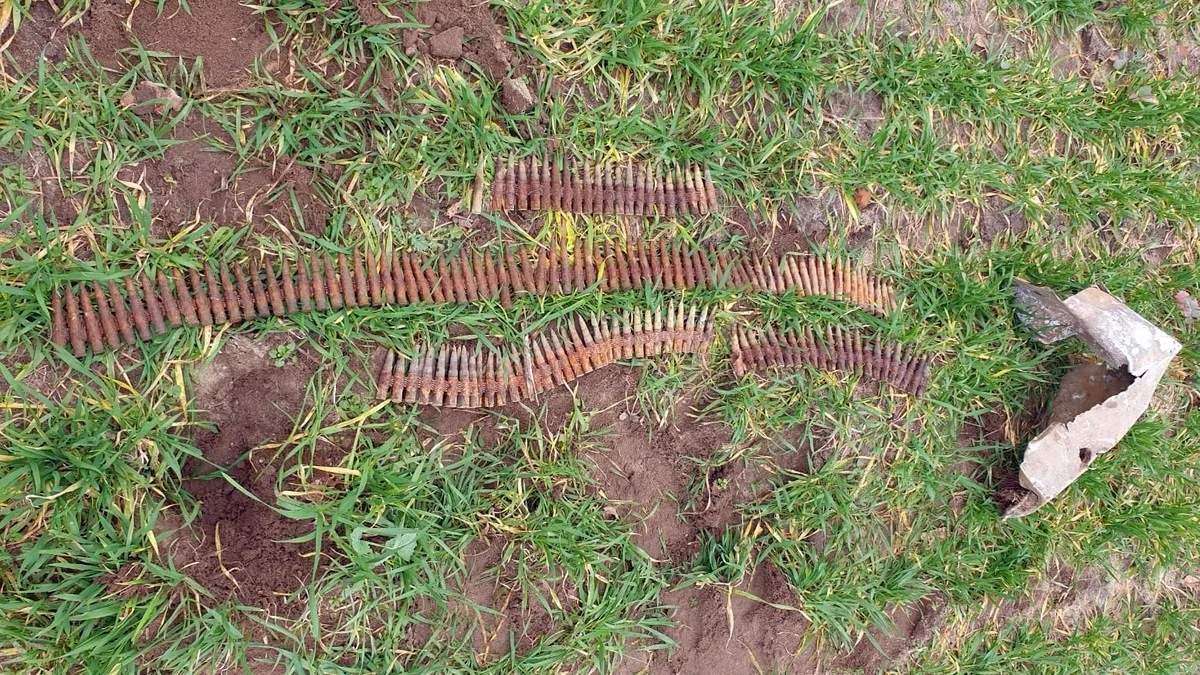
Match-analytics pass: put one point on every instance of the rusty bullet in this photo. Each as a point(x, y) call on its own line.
point(187, 304)
point(108, 322)
point(677, 267)
point(522, 186)
point(254, 275)
point(496, 285)
point(407, 289)
point(212, 289)
point(515, 275)
point(274, 293)
point(140, 319)
point(243, 291)
point(504, 281)
point(388, 278)
point(629, 188)
point(440, 280)
point(710, 189)
point(361, 288)
point(123, 319)
point(91, 326)
point(316, 283)
point(477, 193)
point(75, 329)
point(167, 298)
point(399, 380)
point(304, 289)
point(200, 296)
point(58, 321)
point(383, 389)
point(414, 280)
point(510, 184)
point(395, 275)
point(458, 281)
point(478, 286)
point(535, 185)
point(291, 303)
point(374, 281)
point(347, 281)
point(331, 283)
point(152, 306)
point(498, 181)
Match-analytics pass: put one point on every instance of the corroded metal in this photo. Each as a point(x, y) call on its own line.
point(838, 349)
point(364, 278)
point(487, 375)
point(604, 188)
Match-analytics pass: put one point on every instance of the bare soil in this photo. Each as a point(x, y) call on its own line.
point(225, 35)
point(235, 548)
point(195, 182)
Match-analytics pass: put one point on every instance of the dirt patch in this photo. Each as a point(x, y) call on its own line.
point(225, 35)
point(723, 632)
point(648, 476)
point(40, 36)
point(251, 403)
point(911, 626)
point(519, 618)
point(196, 182)
point(39, 169)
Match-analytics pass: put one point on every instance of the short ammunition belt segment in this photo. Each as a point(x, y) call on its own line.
point(477, 376)
point(835, 350)
point(634, 189)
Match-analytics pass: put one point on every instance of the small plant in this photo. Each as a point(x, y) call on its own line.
point(284, 354)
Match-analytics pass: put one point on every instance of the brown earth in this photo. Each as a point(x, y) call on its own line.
point(225, 35)
point(39, 36)
point(251, 404)
point(719, 631)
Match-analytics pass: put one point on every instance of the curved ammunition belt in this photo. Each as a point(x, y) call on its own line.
point(472, 377)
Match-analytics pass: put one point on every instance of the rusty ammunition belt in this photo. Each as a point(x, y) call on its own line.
point(602, 189)
point(836, 350)
point(472, 377)
point(105, 315)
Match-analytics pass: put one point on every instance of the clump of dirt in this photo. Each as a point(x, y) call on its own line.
point(235, 547)
point(482, 36)
point(225, 35)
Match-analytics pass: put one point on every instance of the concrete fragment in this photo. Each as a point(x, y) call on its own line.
point(1097, 403)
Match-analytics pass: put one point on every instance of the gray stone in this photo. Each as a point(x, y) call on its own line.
point(515, 96)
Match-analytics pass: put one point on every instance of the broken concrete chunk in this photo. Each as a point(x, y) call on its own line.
point(1097, 403)
point(515, 96)
point(1042, 312)
point(447, 44)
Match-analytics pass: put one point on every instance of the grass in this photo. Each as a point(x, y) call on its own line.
point(495, 547)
